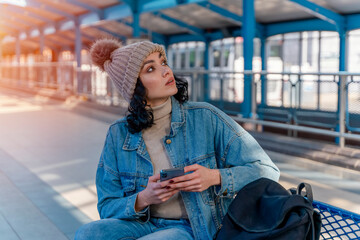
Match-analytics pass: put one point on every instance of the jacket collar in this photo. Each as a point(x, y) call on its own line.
point(133, 141)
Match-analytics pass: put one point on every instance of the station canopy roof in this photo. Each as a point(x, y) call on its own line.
point(162, 21)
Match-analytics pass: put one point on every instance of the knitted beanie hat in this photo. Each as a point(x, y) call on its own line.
point(123, 64)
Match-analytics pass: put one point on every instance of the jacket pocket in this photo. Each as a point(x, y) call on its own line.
point(128, 183)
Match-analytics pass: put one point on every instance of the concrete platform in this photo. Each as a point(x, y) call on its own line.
point(49, 152)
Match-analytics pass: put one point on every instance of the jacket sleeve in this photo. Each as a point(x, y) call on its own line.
point(112, 202)
point(240, 158)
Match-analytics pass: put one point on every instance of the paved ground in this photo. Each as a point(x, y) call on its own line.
point(48, 158)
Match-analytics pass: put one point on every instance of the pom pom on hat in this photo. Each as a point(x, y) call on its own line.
point(101, 50)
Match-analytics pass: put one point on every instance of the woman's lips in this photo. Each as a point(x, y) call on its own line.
point(170, 82)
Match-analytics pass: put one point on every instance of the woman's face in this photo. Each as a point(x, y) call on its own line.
point(158, 79)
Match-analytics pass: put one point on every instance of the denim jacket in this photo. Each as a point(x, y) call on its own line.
point(200, 134)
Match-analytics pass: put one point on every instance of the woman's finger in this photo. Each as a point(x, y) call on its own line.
point(194, 188)
point(190, 168)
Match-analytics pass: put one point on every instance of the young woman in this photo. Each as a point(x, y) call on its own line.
point(163, 130)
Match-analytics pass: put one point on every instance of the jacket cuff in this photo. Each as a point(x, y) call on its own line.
point(144, 214)
point(226, 189)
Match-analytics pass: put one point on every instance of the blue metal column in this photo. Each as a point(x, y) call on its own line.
point(136, 12)
point(248, 35)
point(263, 68)
point(206, 67)
point(78, 46)
point(136, 24)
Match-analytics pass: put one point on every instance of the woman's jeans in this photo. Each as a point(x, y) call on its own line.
point(155, 229)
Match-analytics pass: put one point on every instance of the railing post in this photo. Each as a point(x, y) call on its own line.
point(342, 106)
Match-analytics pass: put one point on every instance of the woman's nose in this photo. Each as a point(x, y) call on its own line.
point(165, 71)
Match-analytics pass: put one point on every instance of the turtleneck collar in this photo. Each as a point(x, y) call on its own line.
point(162, 110)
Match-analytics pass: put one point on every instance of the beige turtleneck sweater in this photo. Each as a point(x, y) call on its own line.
point(154, 140)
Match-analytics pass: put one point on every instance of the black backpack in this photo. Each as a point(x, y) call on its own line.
point(263, 209)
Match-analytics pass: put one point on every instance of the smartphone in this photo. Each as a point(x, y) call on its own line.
point(166, 174)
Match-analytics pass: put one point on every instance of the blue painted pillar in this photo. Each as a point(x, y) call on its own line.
point(248, 35)
point(136, 12)
point(342, 54)
point(206, 67)
point(136, 24)
point(263, 68)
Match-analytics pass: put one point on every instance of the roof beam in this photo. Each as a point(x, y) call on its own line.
point(323, 13)
point(156, 35)
point(35, 4)
point(232, 17)
point(16, 20)
point(298, 26)
point(191, 29)
point(24, 12)
point(91, 38)
point(123, 38)
point(353, 21)
point(98, 11)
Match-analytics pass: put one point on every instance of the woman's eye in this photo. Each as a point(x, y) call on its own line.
point(150, 69)
point(164, 63)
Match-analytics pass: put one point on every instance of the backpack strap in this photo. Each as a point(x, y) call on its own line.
point(308, 191)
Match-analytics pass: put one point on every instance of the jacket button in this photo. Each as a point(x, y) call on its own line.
point(168, 141)
point(225, 193)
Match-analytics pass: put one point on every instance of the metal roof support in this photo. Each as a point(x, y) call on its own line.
point(91, 38)
point(35, 4)
point(191, 29)
point(123, 38)
point(42, 41)
point(325, 14)
point(184, 38)
point(22, 11)
point(115, 12)
point(67, 38)
point(352, 22)
point(136, 24)
point(135, 6)
point(222, 11)
point(248, 36)
point(159, 38)
point(18, 49)
point(96, 10)
point(298, 26)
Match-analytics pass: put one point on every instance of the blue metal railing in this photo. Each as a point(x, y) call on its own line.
point(317, 100)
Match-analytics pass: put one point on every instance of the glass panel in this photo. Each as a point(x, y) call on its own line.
point(329, 56)
point(310, 52)
point(354, 51)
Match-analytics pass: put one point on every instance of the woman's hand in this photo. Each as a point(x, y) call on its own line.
point(199, 180)
point(154, 193)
